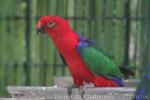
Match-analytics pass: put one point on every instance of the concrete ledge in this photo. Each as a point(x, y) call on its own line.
point(60, 92)
point(53, 93)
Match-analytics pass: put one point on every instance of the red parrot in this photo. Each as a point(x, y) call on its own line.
point(86, 62)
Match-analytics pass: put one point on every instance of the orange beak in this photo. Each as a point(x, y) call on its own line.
point(40, 28)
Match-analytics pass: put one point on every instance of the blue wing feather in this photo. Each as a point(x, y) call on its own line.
point(143, 89)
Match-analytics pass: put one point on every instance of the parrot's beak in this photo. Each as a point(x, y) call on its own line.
point(40, 29)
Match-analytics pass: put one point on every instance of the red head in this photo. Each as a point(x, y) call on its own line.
point(53, 25)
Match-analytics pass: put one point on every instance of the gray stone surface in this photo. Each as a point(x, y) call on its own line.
point(60, 92)
point(54, 93)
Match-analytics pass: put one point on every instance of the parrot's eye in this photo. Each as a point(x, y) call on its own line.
point(50, 24)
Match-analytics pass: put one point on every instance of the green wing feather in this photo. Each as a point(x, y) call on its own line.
point(99, 63)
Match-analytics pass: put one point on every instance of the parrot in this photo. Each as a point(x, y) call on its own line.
point(86, 62)
point(143, 89)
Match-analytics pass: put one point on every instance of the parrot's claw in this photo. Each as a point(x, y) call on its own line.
point(82, 91)
point(83, 87)
point(69, 90)
point(88, 85)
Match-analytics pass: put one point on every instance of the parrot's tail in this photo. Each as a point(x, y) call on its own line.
point(127, 71)
point(101, 81)
point(143, 89)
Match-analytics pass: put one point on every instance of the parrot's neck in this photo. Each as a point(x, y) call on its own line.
point(67, 43)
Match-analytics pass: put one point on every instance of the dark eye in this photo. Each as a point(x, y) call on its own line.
point(50, 24)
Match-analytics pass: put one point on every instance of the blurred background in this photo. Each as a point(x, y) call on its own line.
point(121, 28)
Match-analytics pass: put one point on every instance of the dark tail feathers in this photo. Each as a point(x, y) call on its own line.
point(127, 71)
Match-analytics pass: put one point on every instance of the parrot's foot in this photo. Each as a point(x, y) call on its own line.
point(82, 91)
point(69, 90)
point(83, 87)
point(88, 85)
